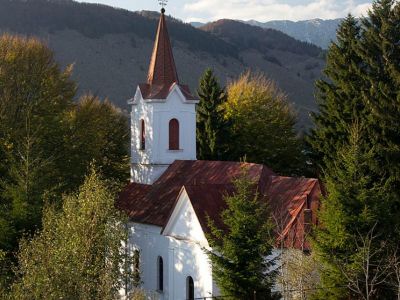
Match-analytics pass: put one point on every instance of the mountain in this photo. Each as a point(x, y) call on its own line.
point(111, 49)
point(318, 32)
point(197, 24)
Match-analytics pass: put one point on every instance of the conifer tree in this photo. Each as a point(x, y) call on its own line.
point(355, 204)
point(338, 95)
point(239, 255)
point(211, 126)
point(380, 50)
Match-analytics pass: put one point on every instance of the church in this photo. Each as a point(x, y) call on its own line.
point(171, 193)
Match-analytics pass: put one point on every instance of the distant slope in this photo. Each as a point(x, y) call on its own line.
point(111, 48)
point(294, 65)
point(318, 32)
point(252, 37)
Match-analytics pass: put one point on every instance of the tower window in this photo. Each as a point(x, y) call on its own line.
point(189, 288)
point(160, 267)
point(142, 135)
point(174, 134)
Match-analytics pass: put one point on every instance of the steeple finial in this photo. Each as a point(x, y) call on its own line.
point(162, 69)
point(163, 4)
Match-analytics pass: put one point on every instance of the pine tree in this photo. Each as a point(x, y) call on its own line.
point(211, 126)
point(380, 50)
point(355, 204)
point(239, 253)
point(340, 101)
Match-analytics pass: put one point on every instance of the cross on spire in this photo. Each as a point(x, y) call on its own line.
point(163, 4)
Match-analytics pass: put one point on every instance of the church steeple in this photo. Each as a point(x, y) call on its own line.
point(163, 116)
point(162, 70)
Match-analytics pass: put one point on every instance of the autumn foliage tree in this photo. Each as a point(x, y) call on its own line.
point(79, 253)
point(47, 141)
point(262, 125)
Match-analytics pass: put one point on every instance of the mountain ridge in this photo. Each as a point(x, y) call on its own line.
point(315, 31)
point(111, 49)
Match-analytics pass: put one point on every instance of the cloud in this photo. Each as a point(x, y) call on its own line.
point(265, 10)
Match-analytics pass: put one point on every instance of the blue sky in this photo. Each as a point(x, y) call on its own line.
point(260, 10)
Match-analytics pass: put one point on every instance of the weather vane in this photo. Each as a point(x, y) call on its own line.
point(163, 4)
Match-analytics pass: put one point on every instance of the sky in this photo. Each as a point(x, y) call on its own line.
point(260, 10)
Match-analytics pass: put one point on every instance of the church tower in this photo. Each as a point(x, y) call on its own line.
point(163, 115)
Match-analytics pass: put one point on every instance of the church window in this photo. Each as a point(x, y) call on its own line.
point(189, 288)
point(142, 135)
point(174, 134)
point(160, 267)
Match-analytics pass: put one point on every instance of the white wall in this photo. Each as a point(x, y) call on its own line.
point(149, 164)
point(181, 247)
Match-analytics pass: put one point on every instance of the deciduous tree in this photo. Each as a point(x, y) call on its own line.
point(262, 125)
point(79, 253)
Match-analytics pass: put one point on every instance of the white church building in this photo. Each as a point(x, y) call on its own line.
point(171, 192)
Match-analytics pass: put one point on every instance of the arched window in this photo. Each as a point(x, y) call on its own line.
point(174, 134)
point(160, 267)
point(189, 288)
point(142, 135)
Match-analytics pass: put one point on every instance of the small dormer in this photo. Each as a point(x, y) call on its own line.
point(163, 116)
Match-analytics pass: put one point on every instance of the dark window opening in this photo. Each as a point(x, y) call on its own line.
point(189, 288)
point(142, 135)
point(174, 134)
point(160, 284)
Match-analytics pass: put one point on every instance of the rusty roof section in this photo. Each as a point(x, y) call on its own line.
point(208, 182)
point(162, 70)
point(162, 75)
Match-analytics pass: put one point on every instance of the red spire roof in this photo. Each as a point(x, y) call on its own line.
point(162, 76)
point(162, 70)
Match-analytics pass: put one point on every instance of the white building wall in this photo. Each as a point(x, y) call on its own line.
point(149, 164)
point(181, 259)
point(181, 246)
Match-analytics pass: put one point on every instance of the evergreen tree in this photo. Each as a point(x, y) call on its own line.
point(355, 204)
point(339, 97)
point(262, 125)
point(211, 126)
point(380, 50)
point(239, 253)
point(79, 252)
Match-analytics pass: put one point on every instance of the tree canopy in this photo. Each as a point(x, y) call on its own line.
point(47, 141)
point(79, 252)
point(262, 125)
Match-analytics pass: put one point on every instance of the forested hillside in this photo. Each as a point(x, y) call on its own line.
point(111, 48)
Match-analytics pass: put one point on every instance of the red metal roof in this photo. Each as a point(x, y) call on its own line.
point(208, 182)
point(162, 74)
